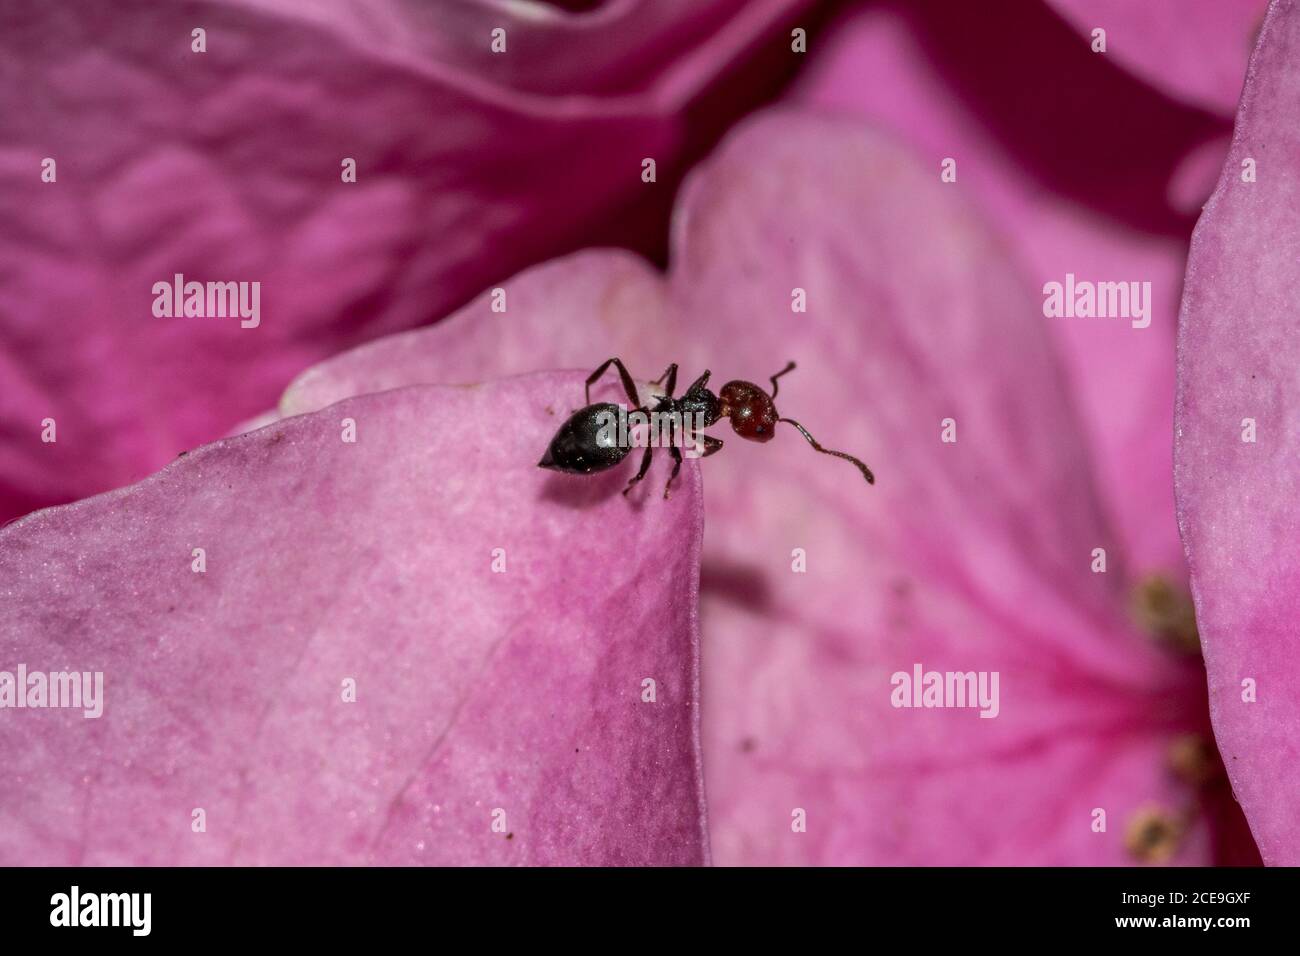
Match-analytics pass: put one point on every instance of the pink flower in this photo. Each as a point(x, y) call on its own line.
point(1021, 529)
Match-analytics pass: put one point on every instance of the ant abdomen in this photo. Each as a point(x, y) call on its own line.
point(587, 442)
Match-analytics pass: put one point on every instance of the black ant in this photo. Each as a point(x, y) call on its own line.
point(585, 444)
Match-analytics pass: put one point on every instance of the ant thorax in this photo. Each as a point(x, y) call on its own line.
point(700, 405)
point(670, 424)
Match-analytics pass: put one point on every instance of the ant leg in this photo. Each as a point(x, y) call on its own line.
point(628, 385)
point(645, 466)
point(676, 452)
point(677, 466)
point(788, 368)
point(711, 445)
point(866, 472)
point(699, 382)
point(670, 373)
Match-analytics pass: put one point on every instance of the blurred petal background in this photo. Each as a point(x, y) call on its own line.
point(227, 164)
point(473, 165)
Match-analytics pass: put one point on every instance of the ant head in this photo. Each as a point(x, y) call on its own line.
point(751, 410)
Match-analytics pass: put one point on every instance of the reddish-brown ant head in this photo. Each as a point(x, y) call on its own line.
point(751, 410)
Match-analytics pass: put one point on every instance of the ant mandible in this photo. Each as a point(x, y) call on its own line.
point(583, 445)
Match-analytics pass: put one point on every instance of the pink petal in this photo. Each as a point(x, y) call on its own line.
point(879, 65)
point(475, 691)
point(1238, 358)
point(226, 166)
point(972, 555)
point(576, 311)
point(1195, 50)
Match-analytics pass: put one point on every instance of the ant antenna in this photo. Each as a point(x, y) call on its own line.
point(866, 472)
point(788, 368)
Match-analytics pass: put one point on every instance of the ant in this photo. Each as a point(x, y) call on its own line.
point(583, 445)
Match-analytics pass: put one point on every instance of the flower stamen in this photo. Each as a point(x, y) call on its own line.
point(1166, 613)
point(1154, 834)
